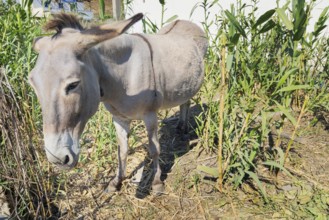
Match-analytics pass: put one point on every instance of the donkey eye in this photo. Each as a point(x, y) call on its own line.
point(71, 87)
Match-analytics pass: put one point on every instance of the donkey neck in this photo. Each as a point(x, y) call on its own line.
point(123, 66)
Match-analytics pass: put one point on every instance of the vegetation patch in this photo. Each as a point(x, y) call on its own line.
point(258, 141)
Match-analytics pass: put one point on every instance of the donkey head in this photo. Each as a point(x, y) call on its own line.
point(66, 86)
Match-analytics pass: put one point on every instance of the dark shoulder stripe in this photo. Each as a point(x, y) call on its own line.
point(172, 27)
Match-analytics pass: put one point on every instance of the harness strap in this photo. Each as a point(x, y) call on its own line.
point(151, 53)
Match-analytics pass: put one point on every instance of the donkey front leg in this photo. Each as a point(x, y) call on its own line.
point(122, 128)
point(151, 123)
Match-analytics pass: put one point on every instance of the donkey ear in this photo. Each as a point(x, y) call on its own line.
point(39, 43)
point(95, 35)
point(122, 26)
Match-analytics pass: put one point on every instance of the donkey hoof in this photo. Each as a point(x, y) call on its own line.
point(112, 187)
point(158, 189)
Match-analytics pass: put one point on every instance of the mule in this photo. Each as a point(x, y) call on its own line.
point(134, 75)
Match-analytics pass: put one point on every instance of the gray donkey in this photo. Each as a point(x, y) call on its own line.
point(134, 75)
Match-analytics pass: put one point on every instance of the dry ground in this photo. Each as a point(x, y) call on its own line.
point(93, 6)
point(191, 194)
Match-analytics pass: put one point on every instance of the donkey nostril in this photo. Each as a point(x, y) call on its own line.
point(66, 160)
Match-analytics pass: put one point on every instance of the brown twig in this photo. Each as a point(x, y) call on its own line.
point(295, 130)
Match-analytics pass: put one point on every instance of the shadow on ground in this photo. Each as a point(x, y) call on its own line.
point(174, 144)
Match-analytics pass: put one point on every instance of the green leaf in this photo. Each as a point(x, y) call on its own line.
point(281, 155)
point(258, 183)
point(263, 18)
point(300, 25)
point(294, 87)
point(213, 3)
point(193, 9)
point(285, 76)
point(238, 178)
point(282, 15)
point(298, 13)
point(209, 170)
point(171, 19)
point(229, 62)
point(235, 23)
point(279, 166)
point(320, 24)
point(299, 34)
point(286, 112)
point(268, 26)
point(234, 40)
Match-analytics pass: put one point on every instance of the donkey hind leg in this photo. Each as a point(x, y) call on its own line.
point(183, 117)
point(122, 128)
point(151, 124)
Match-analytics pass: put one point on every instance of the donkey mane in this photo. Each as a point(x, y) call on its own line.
point(61, 21)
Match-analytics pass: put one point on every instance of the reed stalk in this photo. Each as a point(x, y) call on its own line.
point(101, 9)
point(221, 111)
point(302, 111)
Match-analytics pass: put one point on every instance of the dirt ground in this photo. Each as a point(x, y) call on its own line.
point(191, 194)
point(93, 5)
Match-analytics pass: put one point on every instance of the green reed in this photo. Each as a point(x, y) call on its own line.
point(273, 67)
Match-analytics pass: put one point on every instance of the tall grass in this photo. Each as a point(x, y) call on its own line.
point(274, 67)
point(26, 180)
point(151, 27)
